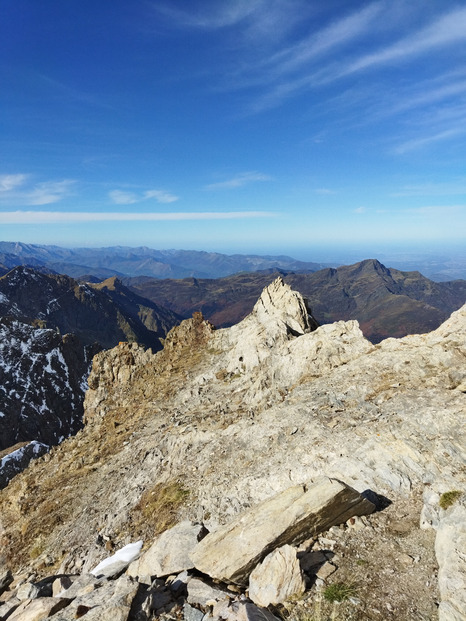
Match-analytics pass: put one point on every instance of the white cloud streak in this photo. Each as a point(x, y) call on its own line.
point(120, 197)
point(418, 143)
point(216, 16)
point(10, 182)
point(60, 217)
point(14, 189)
point(48, 192)
point(238, 181)
point(327, 39)
point(445, 31)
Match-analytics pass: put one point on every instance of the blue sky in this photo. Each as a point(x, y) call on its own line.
point(266, 126)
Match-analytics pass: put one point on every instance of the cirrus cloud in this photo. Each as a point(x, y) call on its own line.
point(121, 197)
point(68, 217)
point(238, 181)
point(16, 189)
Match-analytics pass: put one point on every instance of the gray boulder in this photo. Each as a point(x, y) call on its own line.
point(231, 552)
point(277, 578)
point(169, 554)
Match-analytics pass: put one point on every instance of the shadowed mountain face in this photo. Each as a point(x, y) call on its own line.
point(42, 381)
point(43, 375)
point(105, 313)
point(386, 302)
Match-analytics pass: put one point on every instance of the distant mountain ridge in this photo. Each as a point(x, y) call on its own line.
point(386, 302)
point(142, 261)
point(120, 260)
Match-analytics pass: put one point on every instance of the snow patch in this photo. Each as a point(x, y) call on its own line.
point(125, 556)
point(18, 454)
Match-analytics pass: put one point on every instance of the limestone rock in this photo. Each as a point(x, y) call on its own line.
point(61, 583)
point(84, 584)
point(202, 594)
point(247, 611)
point(192, 614)
point(450, 549)
point(231, 552)
point(277, 578)
point(38, 609)
point(169, 554)
point(110, 602)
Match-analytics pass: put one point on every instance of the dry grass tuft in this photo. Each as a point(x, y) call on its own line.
point(157, 509)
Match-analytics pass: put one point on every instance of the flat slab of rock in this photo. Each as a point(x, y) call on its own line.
point(231, 552)
point(38, 609)
point(277, 578)
point(202, 594)
point(169, 554)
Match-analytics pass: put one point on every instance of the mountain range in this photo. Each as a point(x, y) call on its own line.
point(386, 302)
point(123, 261)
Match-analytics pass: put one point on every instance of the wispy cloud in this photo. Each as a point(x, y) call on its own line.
point(238, 181)
point(49, 192)
point(360, 210)
point(329, 38)
point(61, 217)
point(437, 210)
point(210, 16)
point(433, 189)
point(444, 31)
point(418, 143)
point(312, 63)
point(120, 197)
point(10, 182)
point(16, 189)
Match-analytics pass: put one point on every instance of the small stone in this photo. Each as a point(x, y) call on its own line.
point(192, 614)
point(61, 584)
point(326, 570)
point(202, 594)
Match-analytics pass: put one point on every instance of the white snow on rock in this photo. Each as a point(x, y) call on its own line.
point(118, 561)
point(18, 454)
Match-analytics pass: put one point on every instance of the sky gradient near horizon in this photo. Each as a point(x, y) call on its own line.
point(259, 126)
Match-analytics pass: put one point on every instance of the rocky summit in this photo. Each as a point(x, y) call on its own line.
point(273, 469)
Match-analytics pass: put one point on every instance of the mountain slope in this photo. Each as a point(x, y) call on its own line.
point(43, 375)
point(386, 302)
point(105, 313)
point(42, 382)
point(230, 417)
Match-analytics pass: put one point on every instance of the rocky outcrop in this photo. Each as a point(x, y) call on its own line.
point(43, 375)
point(386, 302)
point(105, 594)
point(191, 433)
point(169, 553)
